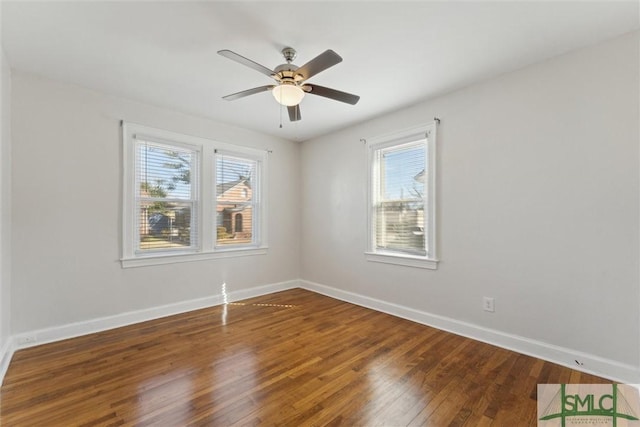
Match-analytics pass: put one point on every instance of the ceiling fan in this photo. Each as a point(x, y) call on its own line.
point(291, 86)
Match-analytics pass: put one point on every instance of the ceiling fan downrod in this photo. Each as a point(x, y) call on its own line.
point(289, 54)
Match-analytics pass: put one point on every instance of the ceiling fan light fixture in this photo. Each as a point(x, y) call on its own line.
point(291, 81)
point(288, 94)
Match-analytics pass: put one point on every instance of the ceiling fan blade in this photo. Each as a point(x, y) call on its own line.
point(326, 59)
point(332, 94)
point(246, 61)
point(247, 92)
point(294, 113)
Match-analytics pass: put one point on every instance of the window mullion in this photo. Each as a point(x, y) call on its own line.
point(207, 195)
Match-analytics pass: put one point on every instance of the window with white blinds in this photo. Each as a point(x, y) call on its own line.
point(399, 195)
point(166, 201)
point(187, 198)
point(402, 198)
point(237, 198)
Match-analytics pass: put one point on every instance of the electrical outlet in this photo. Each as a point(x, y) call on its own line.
point(488, 304)
point(27, 339)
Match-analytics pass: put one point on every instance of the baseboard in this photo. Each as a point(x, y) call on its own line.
point(6, 353)
point(72, 330)
point(562, 356)
point(591, 364)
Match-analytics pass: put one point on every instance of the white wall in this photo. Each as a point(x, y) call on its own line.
point(538, 205)
point(5, 206)
point(67, 210)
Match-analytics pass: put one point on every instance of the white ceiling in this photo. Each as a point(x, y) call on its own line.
point(395, 53)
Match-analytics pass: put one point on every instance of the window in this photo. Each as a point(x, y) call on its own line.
point(165, 201)
point(401, 216)
point(235, 198)
point(188, 198)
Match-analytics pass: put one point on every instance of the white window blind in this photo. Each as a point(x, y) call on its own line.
point(237, 198)
point(399, 198)
point(166, 198)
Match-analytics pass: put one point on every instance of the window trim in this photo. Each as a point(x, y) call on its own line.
point(205, 247)
point(256, 202)
point(430, 260)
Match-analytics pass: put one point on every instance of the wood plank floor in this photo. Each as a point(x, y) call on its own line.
point(292, 358)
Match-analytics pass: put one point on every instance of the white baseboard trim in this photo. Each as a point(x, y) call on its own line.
point(6, 353)
point(560, 355)
point(72, 330)
point(595, 365)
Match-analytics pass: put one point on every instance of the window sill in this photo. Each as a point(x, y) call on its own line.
point(158, 259)
point(406, 260)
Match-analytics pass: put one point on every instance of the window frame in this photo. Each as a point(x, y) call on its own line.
point(204, 195)
point(255, 203)
point(194, 199)
point(426, 132)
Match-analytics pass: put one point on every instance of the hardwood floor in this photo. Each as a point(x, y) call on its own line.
point(293, 358)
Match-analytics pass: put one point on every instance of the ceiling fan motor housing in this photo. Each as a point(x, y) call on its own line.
point(286, 73)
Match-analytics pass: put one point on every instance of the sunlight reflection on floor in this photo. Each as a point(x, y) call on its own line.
point(226, 304)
